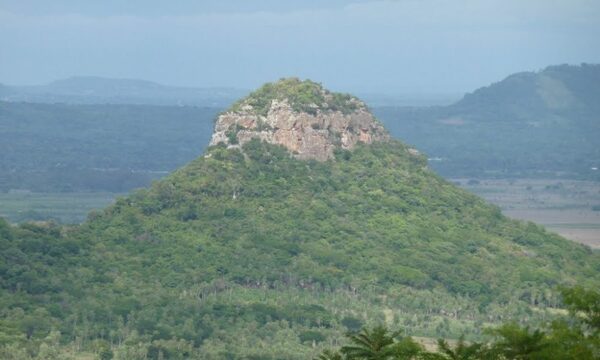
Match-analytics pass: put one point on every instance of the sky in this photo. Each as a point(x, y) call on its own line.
point(375, 46)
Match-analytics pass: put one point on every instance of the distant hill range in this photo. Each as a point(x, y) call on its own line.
point(544, 123)
point(531, 124)
point(98, 90)
point(89, 90)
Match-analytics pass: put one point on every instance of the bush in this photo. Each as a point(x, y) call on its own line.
point(352, 324)
point(311, 336)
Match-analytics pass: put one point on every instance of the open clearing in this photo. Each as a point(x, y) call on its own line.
point(568, 207)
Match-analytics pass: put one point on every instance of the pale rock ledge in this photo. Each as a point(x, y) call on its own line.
point(306, 135)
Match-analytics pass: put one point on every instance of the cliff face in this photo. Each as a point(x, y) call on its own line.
point(310, 134)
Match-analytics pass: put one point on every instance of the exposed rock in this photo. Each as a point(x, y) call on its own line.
point(306, 135)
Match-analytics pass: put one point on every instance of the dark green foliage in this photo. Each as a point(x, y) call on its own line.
point(583, 304)
point(232, 136)
point(311, 336)
point(352, 324)
point(515, 342)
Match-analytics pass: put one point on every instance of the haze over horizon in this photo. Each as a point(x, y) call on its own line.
point(402, 46)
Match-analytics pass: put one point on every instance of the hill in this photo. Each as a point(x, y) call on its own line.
point(255, 250)
point(99, 90)
point(531, 124)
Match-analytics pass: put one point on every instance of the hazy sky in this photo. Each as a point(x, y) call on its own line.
point(428, 46)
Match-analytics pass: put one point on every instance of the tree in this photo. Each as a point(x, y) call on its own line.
point(375, 344)
point(462, 351)
point(330, 355)
point(519, 343)
point(584, 305)
point(379, 344)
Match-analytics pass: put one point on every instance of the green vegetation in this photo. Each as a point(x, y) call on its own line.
point(573, 337)
point(260, 255)
point(541, 124)
point(303, 96)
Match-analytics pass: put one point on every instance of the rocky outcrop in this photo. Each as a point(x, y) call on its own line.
point(306, 135)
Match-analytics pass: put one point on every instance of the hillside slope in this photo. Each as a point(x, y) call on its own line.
point(252, 251)
point(530, 124)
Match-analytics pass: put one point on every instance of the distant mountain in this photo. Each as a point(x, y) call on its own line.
point(543, 123)
point(558, 89)
point(98, 90)
point(303, 221)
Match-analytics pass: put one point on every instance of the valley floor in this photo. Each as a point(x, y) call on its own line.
point(568, 207)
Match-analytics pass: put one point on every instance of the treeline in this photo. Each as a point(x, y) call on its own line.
point(576, 337)
point(116, 148)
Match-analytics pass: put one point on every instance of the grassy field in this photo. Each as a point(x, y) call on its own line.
point(568, 207)
point(67, 208)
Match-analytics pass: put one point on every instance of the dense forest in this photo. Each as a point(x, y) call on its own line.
point(256, 254)
point(66, 148)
